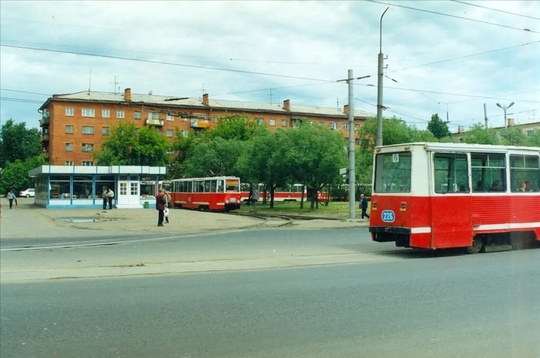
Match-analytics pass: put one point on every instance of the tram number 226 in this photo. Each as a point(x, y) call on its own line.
point(388, 216)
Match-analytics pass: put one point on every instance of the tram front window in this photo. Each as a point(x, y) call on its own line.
point(393, 173)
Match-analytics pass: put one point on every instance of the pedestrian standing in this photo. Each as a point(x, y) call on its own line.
point(160, 206)
point(0, 208)
point(167, 197)
point(11, 196)
point(363, 206)
point(110, 197)
point(104, 196)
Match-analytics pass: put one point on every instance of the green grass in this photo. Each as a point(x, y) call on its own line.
point(339, 209)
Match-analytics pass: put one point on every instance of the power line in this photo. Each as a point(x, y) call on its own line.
point(492, 9)
point(454, 16)
point(166, 63)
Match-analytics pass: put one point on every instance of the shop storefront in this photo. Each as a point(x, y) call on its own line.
point(60, 186)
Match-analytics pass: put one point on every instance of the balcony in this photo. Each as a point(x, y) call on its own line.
point(154, 122)
point(200, 123)
point(44, 122)
point(44, 137)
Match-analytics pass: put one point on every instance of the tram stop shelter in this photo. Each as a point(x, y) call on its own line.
point(62, 187)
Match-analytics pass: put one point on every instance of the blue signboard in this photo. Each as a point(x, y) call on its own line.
point(388, 216)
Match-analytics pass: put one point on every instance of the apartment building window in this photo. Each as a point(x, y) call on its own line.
point(87, 163)
point(345, 126)
point(153, 115)
point(69, 129)
point(120, 114)
point(68, 163)
point(272, 122)
point(530, 132)
point(284, 123)
point(70, 112)
point(183, 118)
point(137, 115)
point(106, 113)
point(88, 112)
point(170, 133)
point(88, 130)
point(321, 124)
point(333, 126)
point(105, 130)
point(87, 147)
point(170, 117)
point(185, 133)
point(259, 121)
point(69, 147)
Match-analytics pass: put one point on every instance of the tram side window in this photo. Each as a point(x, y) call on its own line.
point(524, 173)
point(393, 173)
point(488, 172)
point(450, 173)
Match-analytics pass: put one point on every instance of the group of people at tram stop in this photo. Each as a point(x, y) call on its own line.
point(108, 196)
point(162, 206)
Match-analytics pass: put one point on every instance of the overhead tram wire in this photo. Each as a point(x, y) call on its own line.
point(467, 56)
point(167, 63)
point(492, 9)
point(453, 16)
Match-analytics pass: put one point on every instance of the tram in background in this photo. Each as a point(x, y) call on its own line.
point(220, 193)
point(441, 195)
point(288, 193)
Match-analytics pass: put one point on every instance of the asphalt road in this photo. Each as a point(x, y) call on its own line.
point(409, 304)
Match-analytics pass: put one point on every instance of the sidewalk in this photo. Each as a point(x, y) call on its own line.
point(27, 221)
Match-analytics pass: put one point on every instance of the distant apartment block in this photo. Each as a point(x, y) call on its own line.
point(75, 125)
point(528, 129)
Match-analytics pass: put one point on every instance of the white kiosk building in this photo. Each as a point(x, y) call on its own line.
point(59, 186)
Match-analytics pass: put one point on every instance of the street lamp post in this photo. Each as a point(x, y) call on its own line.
point(378, 138)
point(504, 108)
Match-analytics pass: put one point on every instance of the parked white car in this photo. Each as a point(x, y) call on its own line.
point(30, 192)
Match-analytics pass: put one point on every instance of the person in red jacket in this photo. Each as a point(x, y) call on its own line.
point(160, 206)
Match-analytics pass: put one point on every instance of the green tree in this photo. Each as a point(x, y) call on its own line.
point(128, 145)
point(233, 127)
point(261, 161)
point(512, 135)
point(215, 158)
point(534, 139)
point(18, 142)
point(313, 155)
point(478, 134)
point(438, 127)
point(15, 174)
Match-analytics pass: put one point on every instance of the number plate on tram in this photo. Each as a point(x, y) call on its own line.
point(388, 216)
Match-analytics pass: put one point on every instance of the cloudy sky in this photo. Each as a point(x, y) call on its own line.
point(445, 57)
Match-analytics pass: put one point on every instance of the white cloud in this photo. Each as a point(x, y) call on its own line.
point(309, 39)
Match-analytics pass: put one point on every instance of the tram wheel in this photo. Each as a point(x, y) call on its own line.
point(477, 245)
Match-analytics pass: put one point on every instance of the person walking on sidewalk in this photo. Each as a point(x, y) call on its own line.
point(363, 206)
point(160, 206)
point(11, 196)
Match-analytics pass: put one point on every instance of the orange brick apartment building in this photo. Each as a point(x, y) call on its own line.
point(74, 125)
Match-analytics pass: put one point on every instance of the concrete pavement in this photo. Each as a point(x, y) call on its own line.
point(27, 221)
point(25, 228)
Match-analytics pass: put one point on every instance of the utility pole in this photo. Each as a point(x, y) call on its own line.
point(378, 138)
point(350, 152)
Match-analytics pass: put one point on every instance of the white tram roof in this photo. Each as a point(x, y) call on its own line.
point(458, 147)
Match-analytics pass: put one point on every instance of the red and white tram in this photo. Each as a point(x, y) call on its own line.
point(288, 193)
point(212, 193)
point(442, 195)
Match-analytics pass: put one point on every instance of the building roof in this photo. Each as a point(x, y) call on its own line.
point(194, 103)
